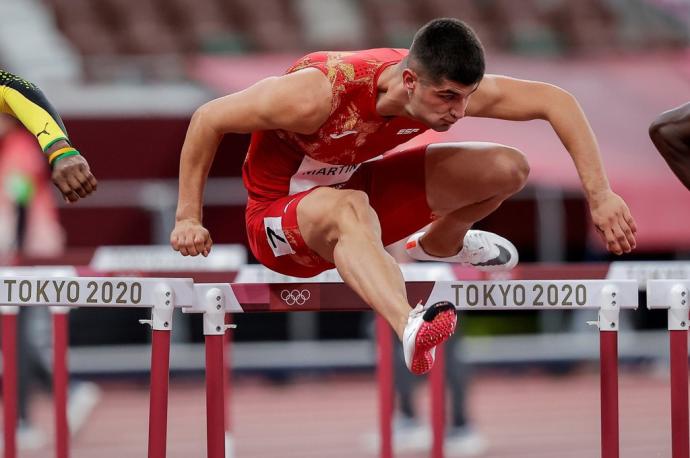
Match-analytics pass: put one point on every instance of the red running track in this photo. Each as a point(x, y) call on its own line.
point(533, 416)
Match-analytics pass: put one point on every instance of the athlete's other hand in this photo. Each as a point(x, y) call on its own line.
point(614, 222)
point(191, 238)
point(73, 177)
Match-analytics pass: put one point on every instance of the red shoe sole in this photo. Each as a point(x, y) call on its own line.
point(431, 334)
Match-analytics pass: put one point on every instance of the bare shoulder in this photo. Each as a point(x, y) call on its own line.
point(672, 124)
point(491, 87)
point(488, 93)
point(500, 84)
point(679, 114)
point(301, 99)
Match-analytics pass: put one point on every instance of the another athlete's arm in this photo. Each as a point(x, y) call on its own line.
point(298, 102)
point(670, 133)
point(519, 100)
point(25, 101)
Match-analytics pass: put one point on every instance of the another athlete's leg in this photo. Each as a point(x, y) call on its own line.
point(342, 228)
point(464, 183)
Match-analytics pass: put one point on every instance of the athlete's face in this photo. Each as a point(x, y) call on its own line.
point(438, 105)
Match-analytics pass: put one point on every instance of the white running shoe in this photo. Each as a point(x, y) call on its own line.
point(82, 399)
point(409, 435)
point(427, 326)
point(483, 250)
point(464, 442)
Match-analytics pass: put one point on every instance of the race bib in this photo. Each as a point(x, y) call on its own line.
point(273, 228)
point(316, 173)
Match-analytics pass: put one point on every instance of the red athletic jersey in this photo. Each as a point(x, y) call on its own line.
point(281, 163)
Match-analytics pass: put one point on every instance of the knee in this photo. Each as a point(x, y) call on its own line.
point(353, 210)
point(511, 168)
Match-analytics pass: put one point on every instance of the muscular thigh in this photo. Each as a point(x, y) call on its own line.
point(396, 186)
point(296, 234)
point(405, 189)
point(410, 188)
point(276, 238)
point(461, 174)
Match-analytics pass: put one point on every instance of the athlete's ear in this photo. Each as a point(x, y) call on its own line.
point(410, 79)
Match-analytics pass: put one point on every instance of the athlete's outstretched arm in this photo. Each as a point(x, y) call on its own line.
point(298, 102)
point(25, 101)
point(519, 100)
point(670, 133)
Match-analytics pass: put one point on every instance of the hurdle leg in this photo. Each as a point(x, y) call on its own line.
point(215, 412)
point(438, 402)
point(214, 330)
point(227, 378)
point(60, 379)
point(161, 323)
point(608, 343)
point(678, 340)
point(9, 379)
point(608, 357)
point(680, 426)
point(384, 339)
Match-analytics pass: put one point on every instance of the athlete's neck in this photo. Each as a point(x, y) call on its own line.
point(392, 97)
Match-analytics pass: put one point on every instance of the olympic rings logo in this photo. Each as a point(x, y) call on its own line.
point(295, 296)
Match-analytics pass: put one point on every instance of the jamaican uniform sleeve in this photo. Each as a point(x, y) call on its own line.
point(25, 101)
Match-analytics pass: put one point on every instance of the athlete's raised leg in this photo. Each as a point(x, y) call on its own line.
point(341, 227)
point(464, 183)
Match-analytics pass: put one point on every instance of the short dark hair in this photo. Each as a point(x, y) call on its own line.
point(448, 48)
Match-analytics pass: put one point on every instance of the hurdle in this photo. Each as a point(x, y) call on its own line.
point(217, 299)
point(160, 261)
point(673, 295)
point(60, 340)
point(61, 293)
point(606, 296)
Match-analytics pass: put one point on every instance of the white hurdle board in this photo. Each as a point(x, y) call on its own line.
point(672, 295)
point(163, 258)
point(96, 291)
point(643, 271)
point(415, 271)
point(607, 296)
point(36, 271)
point(536, 294)
point(39, 271)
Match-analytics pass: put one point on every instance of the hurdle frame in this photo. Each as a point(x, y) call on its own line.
point(161, 328)
point(9, 378)
point(60, 315)
point(608, 325)
point(673, 295)
point(238, 298)
point(611, 296)
point(213, 303)
point(160, 295)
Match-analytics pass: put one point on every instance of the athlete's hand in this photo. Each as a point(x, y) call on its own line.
point(614, 222)
point(73, 177)
point(190, 238)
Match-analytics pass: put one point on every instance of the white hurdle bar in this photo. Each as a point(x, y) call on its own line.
point(673, 295)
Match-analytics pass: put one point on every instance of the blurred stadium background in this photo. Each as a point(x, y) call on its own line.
point(126, 76)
